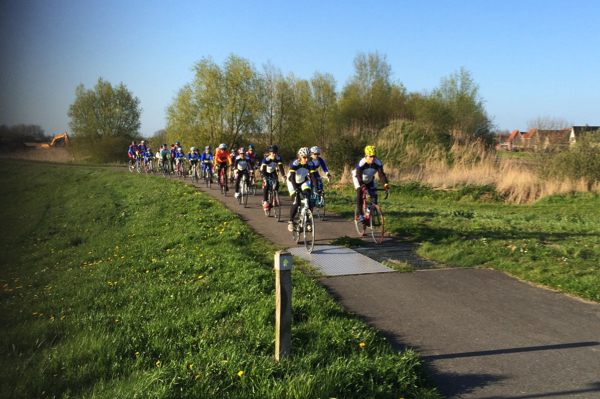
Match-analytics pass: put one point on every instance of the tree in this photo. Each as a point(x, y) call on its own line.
point(104, 112)
point(323, 108)
point(468, 116)
point(548, 123)
point(222, 104)
point(365, 99)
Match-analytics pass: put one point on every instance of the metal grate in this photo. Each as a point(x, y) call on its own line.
point(333, 260)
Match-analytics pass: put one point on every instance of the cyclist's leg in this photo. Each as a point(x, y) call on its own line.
point(238, 177)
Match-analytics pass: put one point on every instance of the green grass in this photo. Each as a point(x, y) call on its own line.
point(554, 242)
point(122, 285)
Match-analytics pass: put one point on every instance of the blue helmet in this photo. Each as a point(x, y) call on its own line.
point(177, 143)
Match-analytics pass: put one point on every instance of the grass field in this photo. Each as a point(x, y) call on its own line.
point(554, 242)
point(120, 285)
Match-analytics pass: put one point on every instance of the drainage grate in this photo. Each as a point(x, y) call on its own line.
point(333, 260)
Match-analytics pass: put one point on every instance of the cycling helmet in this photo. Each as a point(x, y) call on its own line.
point(164, 145)
point(242, 150)
point(250, 147)
point(207, 147)
point(304, 152)
point(133, 142)
point(177, 143)
point(193, 149)
point(223, 146)
point(315, 150)
point(273, 148)
point(370, 150)
point(149, 150)
point(180, 149)
point(143, 141)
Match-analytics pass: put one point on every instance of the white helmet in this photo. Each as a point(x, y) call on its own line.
point(223, 146)
point(315, 150)
point(303, 152)
point(193, 149)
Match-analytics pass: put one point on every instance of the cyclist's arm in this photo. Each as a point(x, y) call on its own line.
point(382, 176)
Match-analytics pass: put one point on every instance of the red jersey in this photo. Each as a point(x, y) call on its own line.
point(223, 156)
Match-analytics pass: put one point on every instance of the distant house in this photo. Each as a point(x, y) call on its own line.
point(515, 140)
point(576, 131)
point(502, 140)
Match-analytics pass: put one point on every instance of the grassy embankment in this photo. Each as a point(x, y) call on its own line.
point(554, 242)
point(123, 285)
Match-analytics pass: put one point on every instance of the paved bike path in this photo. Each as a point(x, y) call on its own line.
point(482, 334)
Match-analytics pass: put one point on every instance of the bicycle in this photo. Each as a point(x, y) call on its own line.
point(273, 199)
point(373, 217)
point(304, 224)
point(180, 168)
point(165, 167)
point(319, 201)
point(135, 165)
point(243, 198)
point(149, 165)
point(208, 176)
point(252, 184)
point(194, 173)
point(222, 181)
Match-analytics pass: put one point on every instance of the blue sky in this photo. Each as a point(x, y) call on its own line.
point(530, 58)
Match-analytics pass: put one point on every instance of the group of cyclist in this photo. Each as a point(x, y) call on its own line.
point(302, 178)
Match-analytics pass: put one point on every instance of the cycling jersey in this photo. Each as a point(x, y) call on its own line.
point(206, 158)
point(223, 156)
point(270, 165)
point(193, 156)
point(133, 151)
point(179, 156)
point(302, 176)
point(320, 163)
point(251, 156)
point(241, 163)
point(365, 172)
point(165, 154)
point(142, 148)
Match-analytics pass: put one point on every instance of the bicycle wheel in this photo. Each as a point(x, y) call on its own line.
point(320, 203)
point(297, 229)
point(244, 189)
point(309, 236)
point(270, 202)
point(376, 224)
point(276, 205)
point(131, 168)
point(360, 226)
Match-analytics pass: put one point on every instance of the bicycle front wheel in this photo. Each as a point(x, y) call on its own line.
point(321, 206)
point(276, 206)
point(376, 224)
point(309, 231)
point(360, 226)
point(244, 193)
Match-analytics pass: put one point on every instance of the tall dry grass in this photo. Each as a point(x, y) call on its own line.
point(59, 154)
point(474, 165)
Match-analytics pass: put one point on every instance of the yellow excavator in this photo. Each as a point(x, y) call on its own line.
point(60, 140)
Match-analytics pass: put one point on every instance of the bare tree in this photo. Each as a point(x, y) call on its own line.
point(548, 123)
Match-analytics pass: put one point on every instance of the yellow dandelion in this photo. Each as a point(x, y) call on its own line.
point(168, 250)
point(137, 353)
point(122, 257)
point(223, 361)
point(62, 318)
point(240, 373)
point(362, 344)
point(191, 366)
point(117, 320)
point(115, 283)
point(109, 283)
point(153, 260)
point(146, 271)
point(117, 247)
point(198, 376)
point(158, 363)
point(52, 318)
point(199, 276)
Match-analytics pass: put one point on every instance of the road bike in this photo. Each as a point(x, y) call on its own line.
point(319, 201)
point(243, 193)
point(208, 176)
point(252, 184)
point(149, 165)
point(373, 217)
point(304, 224)
point(180, 168)
point(135, 166)
point(273, 198)
point(222, 181)
point(165, 167)
point(194, 172)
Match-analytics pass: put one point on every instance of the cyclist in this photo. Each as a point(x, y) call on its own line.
point(142, 147)
point(223, 160)
point(268, 168)
point(233, 154)
point(364, 176)
point(315, 153)
point(207, 162)
point(193, 156)
point(301, 179)
point(251, 154)
point(133, 152)
point(179, 157)
point(241, 165)
point(165, 156)
point(148, 156)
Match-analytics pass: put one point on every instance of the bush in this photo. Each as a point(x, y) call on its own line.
point(107, 150)
point(582, 161)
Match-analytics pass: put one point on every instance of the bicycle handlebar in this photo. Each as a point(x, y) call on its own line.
point(387, 193)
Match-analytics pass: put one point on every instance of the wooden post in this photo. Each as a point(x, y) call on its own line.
point(283, 304)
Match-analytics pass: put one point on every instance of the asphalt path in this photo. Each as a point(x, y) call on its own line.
point(482, 333)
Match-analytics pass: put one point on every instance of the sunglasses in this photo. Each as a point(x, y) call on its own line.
point(304, 157)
